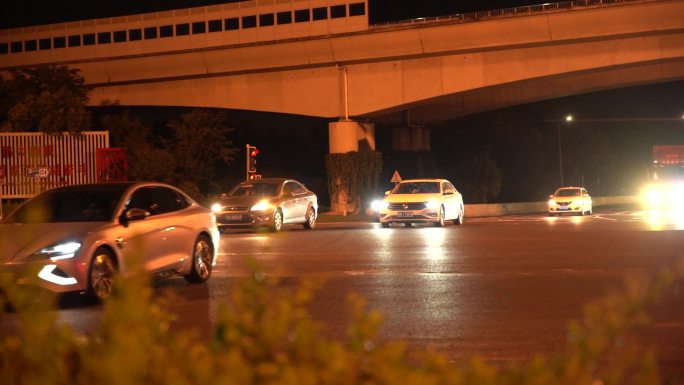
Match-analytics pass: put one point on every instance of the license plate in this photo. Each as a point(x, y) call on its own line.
point(564, 208)
point(233, 217)
point(405, 214)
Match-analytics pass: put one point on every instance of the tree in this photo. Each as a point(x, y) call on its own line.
point(147, 159)
point(201, 147)
point(529, 174)
point(48, 99)
point(191, 155)
point(480, 176)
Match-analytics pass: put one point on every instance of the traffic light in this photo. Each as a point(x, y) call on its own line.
point(250, 163)
point(251, 158)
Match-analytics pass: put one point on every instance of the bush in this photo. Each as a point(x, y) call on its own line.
point(356, 173)
point(265, 336)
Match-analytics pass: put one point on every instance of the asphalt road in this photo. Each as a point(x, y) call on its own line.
point(504, 288)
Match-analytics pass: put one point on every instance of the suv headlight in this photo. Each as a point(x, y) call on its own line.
point(216, 207)
point(552, 202)
point(59, 251)
point(432, 204)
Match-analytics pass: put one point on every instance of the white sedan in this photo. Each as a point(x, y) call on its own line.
point(421, 201)
point(570, 200)
point(77, 238)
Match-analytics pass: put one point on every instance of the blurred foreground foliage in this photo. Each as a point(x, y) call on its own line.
point(264, 335)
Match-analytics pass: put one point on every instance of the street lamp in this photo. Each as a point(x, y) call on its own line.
point(568, 119)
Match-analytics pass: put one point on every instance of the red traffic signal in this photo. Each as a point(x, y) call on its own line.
point(252, 153)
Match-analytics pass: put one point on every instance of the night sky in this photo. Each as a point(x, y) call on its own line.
point(608, 158)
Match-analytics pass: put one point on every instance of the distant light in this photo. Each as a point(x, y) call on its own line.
point(568, 118)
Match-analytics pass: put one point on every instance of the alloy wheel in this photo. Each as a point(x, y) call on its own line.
point(102, 272)
point(277, 221)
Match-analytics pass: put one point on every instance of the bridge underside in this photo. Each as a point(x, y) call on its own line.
point(529, 91)
point(320, 95)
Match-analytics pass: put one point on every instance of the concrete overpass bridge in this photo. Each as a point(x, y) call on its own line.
point(322, 58)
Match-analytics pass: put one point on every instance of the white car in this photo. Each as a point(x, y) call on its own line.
point(570, 200)
point(76, 238)
point(421, 201)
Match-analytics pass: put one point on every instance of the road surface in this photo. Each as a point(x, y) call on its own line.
point(504, 288)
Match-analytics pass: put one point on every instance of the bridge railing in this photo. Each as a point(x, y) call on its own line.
point(470, 17)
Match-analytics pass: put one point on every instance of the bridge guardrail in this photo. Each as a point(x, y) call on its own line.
point(469, 17)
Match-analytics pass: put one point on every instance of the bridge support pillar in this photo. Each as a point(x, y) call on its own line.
point(412, 138)
point(344, 137)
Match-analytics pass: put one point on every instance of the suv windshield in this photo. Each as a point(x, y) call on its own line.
point(255, 189)
point(417, 188)
point(69, 205)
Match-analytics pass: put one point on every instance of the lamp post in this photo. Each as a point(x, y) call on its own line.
point(568, 119)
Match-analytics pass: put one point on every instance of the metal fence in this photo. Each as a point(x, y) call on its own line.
point(33, 162)
point(470, 17)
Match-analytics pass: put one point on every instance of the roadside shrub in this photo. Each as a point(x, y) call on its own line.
point(356, 173)
point(264, 335)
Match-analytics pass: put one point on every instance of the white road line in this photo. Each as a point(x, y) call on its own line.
point(605, 219)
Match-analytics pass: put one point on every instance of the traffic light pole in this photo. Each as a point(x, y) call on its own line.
point(248, 147)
